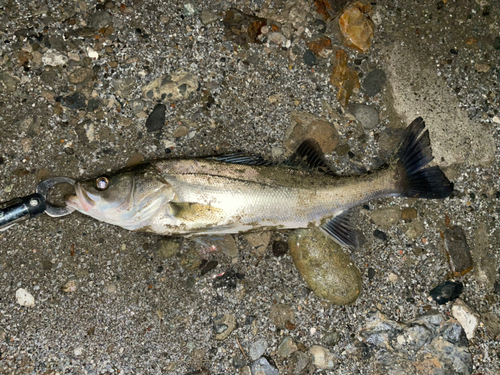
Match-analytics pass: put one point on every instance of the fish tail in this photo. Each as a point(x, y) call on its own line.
point(413, 154)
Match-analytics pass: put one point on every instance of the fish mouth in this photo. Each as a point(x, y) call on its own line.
point(81, 201)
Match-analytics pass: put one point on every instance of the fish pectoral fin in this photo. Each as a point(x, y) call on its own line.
point(196, 212)
point(309, 156)
point(341, 230)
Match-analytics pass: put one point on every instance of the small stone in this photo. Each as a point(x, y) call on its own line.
point(457, 248)
point(78, 351)
point(190, 259)
point(208, 17)
point(76, 100)
point(262, 367)
point(8, 82)
point(492, 323)
point(467, 318)
point(321, 46)
point(393, 278)
point(259, 240)
point(332, 338)
point(322, 357)
point(135, 159)
point(446, 292)
point(496, 43)
point(386, 217)
point(365, 114)
point(181, 131)
point(309, 58)
point(24, 298)
point(280, 248)
point(345, 78)
point(330, 8)
point(497, 287)
point(245, 371)
point(380, 235)
point(409, 213)
point(371, 273)
point(224, 326)
point(167, 247)
point(286, 347)
point(485, 264)
point(171, 87)
point(374, 82)
point(110, 288)
point(243, 28)
point(239, 362)
point(277, 38)
point(81, 75)
point(156, 119)
point(257, 349)
point(306, 126)
point(281, 314)
point(356, 27)
point(125, 86)
point(54, 58)
point(299, 363)
point(415, 229)
point(326, 269)
point(100, 20)
point(70, 286)
point(482, 68)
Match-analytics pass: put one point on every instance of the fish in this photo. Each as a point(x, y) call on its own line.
point(239, 193)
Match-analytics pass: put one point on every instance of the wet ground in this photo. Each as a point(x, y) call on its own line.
point(75, 100)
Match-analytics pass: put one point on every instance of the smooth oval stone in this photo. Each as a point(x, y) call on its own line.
point(326, 269)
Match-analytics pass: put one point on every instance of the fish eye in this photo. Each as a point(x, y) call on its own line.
point(102, 183)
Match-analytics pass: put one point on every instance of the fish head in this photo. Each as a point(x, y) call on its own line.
point(127, 199)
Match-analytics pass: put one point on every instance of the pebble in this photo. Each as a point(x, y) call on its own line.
point(393, 278)
point(54, 58)
point(280, 248)
point(80, 75)
point(277, 38)
point(321, 46)
point(485, 265)
point(496, 43)
point(386, 217)
point(243, 28)
point(110, 288)
point(224, 326)
point(287, 347)
point(70, 286)
point(208, 17)
point(492, 323)
point(458, 251)
point(467, 318)
point(482, 68)
point(8, 82)
point(365, 114)
point(326, 269)
point(305, 126)
point(429, 344)
point(78, 351)
point(300, 363)
point(309, 58)
point(409, 213)
point(190, 259)
point(76, 100)
point(100, 19)
point(156, 119)
point(374, 82)
point(246, 371)
point(181, 131)
point(257, 349)
point(322, 357)
point(380, 235)
point(345, 78)
point(356, 28)
point(281, 314)
point(446, 292)
point(332, 338)
point(125, 86)
point(415, 229)
point(24, 298)
point(259, 240)
point(171, 87)
point(262, 367)
point(135, 159)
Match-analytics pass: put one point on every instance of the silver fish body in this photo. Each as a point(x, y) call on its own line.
point(213, 196)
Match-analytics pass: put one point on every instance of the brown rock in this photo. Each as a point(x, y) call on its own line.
point(306, 126)
point(80, 75)
point(321, 46)
point(356, 26)
point(243, 28)
point(24, 57)
point(281, 315)
point(136, 159)
point(409, 213)
point(345, 78)
point(458, 251)
point(330, 8)
point(181, 131)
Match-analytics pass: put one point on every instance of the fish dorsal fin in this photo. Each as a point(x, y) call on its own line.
point(341, 230)
point(242, 158)
point(308, 156)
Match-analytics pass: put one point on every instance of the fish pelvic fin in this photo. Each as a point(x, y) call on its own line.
point(411, 158)
point(341, 230)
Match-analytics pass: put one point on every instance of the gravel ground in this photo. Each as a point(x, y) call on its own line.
point(75, 101)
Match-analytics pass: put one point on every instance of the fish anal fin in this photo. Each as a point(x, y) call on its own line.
point(308, 156)
point(340, 229)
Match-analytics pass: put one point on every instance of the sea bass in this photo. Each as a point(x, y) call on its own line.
point(237, 193)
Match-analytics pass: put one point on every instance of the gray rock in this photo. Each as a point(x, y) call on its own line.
point(8, 82)
point(309, 58)
point(208, 17)
point(326, 269)
point(332, 338)
point(57, 42)
point(286, 347)
point(365, 114)
point(263, 367)
point(386, 217)
point(485, 265)
point(446, 292)
point(125, 86)
point(136, 106)
point(257, 349)
point(224, 326)
point(322, 357)
point(170, 87)
point(99, 19)
point(300, 363)
point(156, 119)
point(374, 82)
point(75, 101)
point(458, 251)
point(280, 314)
point(431, 344)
